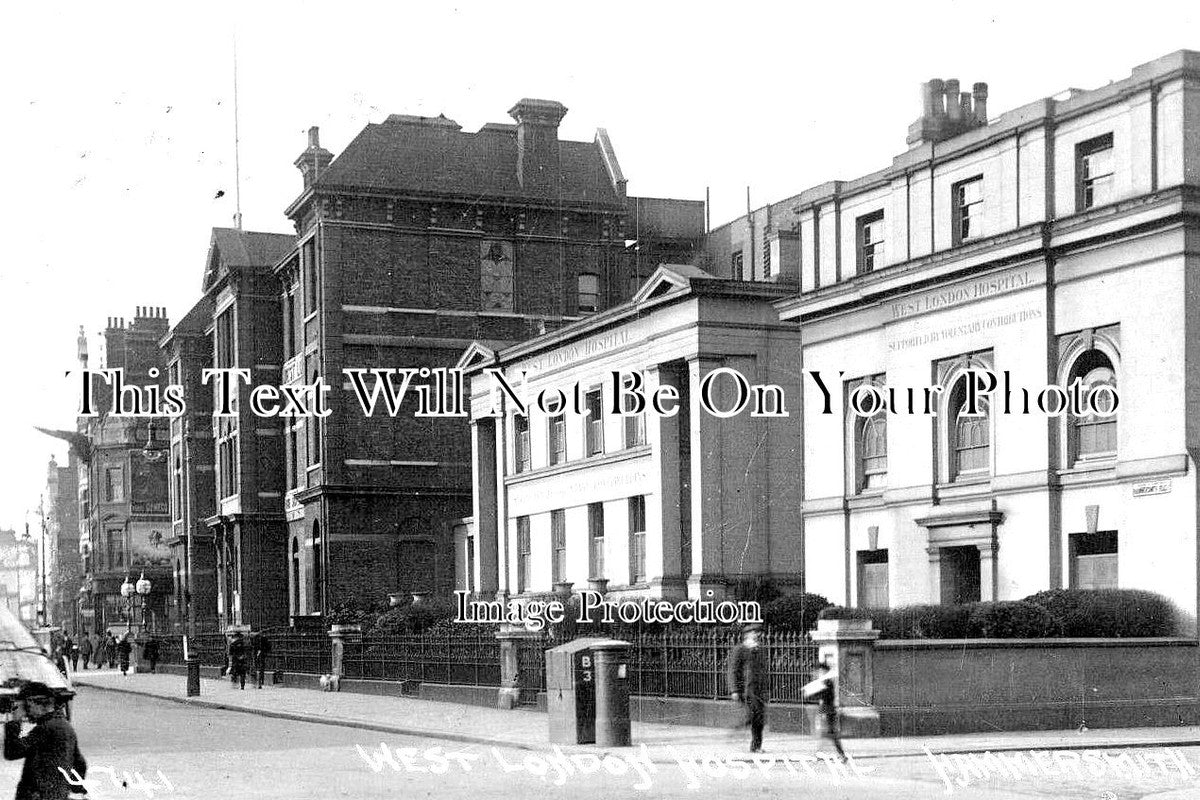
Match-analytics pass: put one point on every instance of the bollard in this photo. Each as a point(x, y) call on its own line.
point(193, 677)
point(612, 694)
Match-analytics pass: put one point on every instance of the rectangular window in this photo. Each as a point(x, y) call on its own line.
point(870, 242)
point(309, 255)
point(967, 209)
point(1094, 560)
point(558, 546)
point(635, 430)
point(736, 268)
point(635, 425)
point(589, 293)
point(523, 554)
point(594, 420)
point(116, 549)
point(637, 539)
point(1094, 172)
point(521, 441)
point(596, 539)
point(114, 484)
point(872, 578)
point(558, 439)
point(225, 342)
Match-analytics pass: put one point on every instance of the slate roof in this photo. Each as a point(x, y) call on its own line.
point(434, 156)
point(230, 247)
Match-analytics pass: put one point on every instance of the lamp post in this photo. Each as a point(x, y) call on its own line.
point(129, 590)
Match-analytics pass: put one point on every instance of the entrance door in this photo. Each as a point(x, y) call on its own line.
point(960, 575)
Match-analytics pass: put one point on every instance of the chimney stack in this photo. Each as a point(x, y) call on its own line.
point(314, 160)
point(538, 168)
point(947, 112)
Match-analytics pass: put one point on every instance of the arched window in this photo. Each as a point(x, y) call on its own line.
point(316, 569)
point(314, 429)
point(295, 576)
point(872, 452)
point(970, 434)
point(1093, 436)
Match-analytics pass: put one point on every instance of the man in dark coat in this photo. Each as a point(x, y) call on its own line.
point(237, 659)
point(48, 749)
point(150, 653)
point(748, 681)
point(260, 648)
point(72, 651)
point(85, 649)
point(124, 649)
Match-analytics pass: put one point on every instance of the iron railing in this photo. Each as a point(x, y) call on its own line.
point(464, 656)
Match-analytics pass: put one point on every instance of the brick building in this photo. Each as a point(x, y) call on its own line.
point(187, 351)
point(63, 565)
point(417, 240)
point(124, 519)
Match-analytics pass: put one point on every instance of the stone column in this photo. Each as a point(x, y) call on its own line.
point(706, 580)
point(988, 577)
point(667, 439)
point(847, 645)
point(339, 636)
point(510, 636)
point(935, 573)
point(483, 454)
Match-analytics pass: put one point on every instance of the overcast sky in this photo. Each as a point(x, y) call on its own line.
point(117, 123)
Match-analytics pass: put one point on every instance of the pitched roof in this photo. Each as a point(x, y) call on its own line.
point(229, 248)
point(434, 156)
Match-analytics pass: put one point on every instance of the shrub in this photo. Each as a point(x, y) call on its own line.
point(794, 613)
point(1119, 613)
point(842, 612)
point(925, 622)
point(1011, 620)
point(356, 612)
point(413, 617)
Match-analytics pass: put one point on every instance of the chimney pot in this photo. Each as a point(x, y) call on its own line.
point(314, 137)
point(927, 99)
point(981, 93)
point(964, 99)
point(936, 88)
point(953, 109)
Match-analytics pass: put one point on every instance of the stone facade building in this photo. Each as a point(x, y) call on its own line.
point(1053, 243)
point(666, 505)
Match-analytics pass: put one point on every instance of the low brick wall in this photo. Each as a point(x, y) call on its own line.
point(963, 686)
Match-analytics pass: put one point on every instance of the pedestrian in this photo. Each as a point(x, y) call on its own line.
point(72, 652)
point(85, 649)
point(110, 650)
point(124, 648)
point(260, 647)
point(237, 659)
point(56, 655)
point(822, 691)
point(50, 749)
point(748, 681)
point(150, 652)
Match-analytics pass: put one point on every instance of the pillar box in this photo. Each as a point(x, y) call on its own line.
point(612, 693)
point(848, 644)
point(339, 636)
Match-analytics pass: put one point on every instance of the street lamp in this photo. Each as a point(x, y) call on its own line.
point(128, 591)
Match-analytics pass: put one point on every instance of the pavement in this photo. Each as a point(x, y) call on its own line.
point(528, 729)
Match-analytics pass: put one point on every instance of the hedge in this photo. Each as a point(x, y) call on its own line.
point(1086, 613)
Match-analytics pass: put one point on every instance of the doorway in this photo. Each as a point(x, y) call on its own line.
point(960, 575)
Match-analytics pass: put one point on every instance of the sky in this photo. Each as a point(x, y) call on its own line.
point(117, 124)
